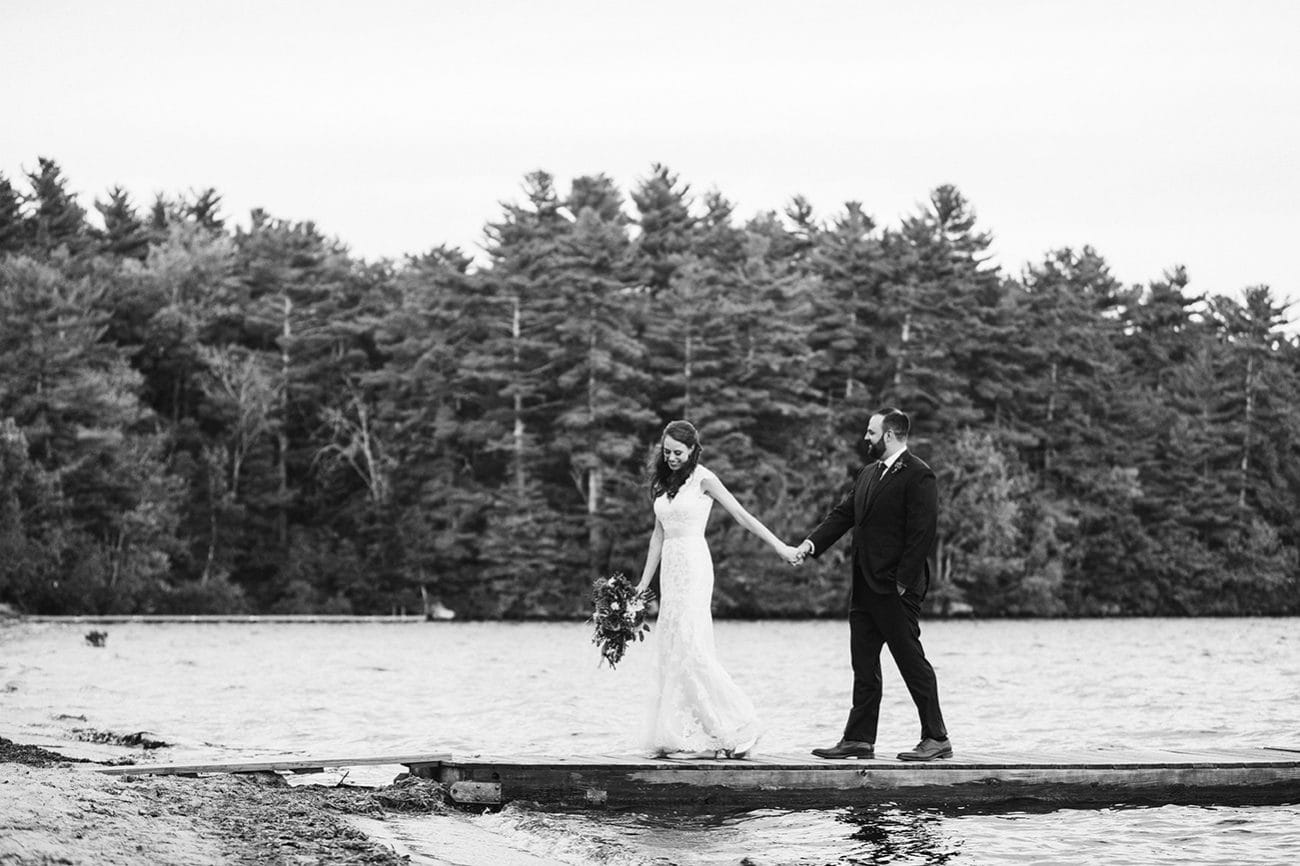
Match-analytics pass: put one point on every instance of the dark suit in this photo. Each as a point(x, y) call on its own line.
point(894, 522)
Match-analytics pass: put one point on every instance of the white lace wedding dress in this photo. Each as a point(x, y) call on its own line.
point(695, 706)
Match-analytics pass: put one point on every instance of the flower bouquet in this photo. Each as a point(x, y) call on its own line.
point(619, 617)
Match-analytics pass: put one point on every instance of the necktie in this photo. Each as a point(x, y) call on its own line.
point(876, 476)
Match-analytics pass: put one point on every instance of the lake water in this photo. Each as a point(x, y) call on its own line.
point(222, 691)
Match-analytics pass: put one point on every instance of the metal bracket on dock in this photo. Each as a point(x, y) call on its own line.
point(476, 793)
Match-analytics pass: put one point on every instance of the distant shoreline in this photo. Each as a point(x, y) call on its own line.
point(264, 618)
point(112, 619)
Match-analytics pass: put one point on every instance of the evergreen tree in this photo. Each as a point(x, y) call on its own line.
point(1168, 433)
point(75, 400)
point(204, 210)
point(13, 225)
point(301, 292)
point(437, 421)
point(56, 219)
point(941, 303)
point(846, 304)
point(30, 524)
point(1064, 418)
point(1067, 316)
point(599, 375)
point(521, 292)
point(186, 295)
point(754, 394)
point(663, 244)
point(125, 235)
point(1257, 415)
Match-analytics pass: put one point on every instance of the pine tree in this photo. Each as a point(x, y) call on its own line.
point(1169, 432)
point(125, 235)
point(1067, 320)
point(437, 421)
point(941, 303)
point(663, 244)
point(13, 225)
point(597, 368)
point(1257, 415)
point(56, 219)
point(30, 524)
point(204, 210)
point(846, 315)
point(746, 379)
point(75, 400)
point(301, 292)
point(1063, 420)
point(520, 294)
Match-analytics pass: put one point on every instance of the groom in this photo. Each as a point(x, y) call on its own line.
point(893, 512)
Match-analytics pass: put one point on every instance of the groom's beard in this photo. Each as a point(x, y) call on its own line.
point(876, 450)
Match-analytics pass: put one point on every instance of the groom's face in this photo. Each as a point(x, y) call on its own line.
point(875, 439)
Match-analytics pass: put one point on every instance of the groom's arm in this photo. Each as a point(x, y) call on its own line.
point(836, 522)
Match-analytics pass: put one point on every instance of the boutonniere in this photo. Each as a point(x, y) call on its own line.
point(897, 465)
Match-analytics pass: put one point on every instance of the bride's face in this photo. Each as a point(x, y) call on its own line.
point(675, 453)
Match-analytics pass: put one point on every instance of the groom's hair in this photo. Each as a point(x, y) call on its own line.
point(895, 420)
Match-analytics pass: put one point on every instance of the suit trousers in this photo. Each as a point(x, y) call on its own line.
point(889, 620)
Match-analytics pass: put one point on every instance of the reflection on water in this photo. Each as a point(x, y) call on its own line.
point(898, 837)
point(224, 691)
point(519, 835)
point(1172, 835)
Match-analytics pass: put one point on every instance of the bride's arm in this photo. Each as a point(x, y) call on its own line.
point(652, 556)
point(721, 495)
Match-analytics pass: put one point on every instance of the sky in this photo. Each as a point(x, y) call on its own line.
point(1160, 132)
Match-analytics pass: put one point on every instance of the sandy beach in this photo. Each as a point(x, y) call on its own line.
point(57, 810)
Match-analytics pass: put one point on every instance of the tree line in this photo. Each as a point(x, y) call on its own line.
point(202, 417)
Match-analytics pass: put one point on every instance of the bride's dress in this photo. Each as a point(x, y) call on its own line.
point(695, 705)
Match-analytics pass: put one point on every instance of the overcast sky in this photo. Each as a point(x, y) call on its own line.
point(1160, 132)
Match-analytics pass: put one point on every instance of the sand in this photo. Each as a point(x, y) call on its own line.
point(56, 810)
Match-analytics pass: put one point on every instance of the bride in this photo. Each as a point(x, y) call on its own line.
point(695, 707)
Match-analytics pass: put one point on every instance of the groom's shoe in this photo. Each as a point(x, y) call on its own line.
point(927, 750)
point(847, 749)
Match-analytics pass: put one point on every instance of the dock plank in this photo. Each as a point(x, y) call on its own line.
point(287, 765)
point(790, 781)
point(1074, 778)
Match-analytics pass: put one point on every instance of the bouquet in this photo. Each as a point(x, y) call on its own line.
point(620, 615)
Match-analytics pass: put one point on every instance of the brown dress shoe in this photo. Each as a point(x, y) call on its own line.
point(847, 749)
point(927, 750)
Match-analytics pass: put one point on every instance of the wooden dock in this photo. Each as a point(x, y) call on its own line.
point(413, 763)
point(1219, 777)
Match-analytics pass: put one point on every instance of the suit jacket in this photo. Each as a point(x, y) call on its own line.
point(894, 523)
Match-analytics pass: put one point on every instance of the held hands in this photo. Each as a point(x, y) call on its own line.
point(795, 555)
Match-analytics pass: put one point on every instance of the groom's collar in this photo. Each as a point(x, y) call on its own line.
point(893, 458)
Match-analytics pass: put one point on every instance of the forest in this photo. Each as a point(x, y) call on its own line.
point(199, 415)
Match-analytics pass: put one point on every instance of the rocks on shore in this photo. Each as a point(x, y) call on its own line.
point(56, 809)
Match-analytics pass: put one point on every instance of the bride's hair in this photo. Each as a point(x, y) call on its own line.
point(664, 480)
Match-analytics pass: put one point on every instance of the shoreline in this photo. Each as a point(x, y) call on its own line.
point(57, 809)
